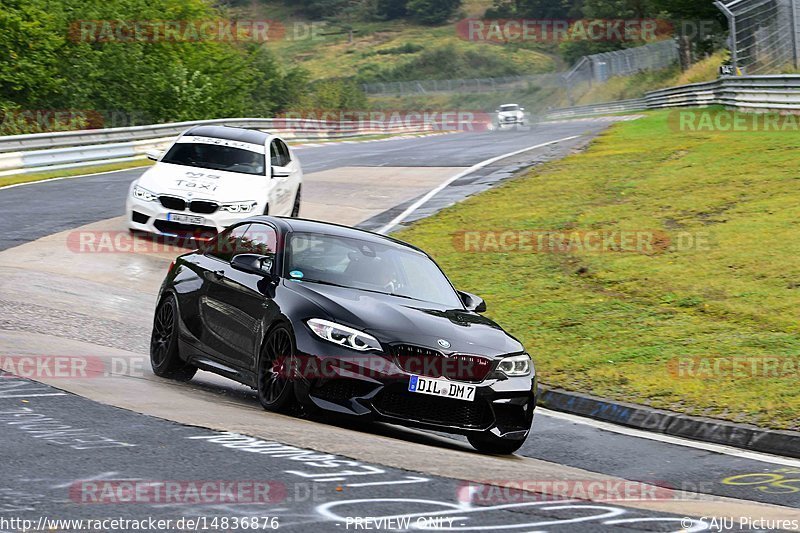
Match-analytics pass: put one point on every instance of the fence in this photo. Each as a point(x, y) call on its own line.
point(780, 93)
point(597, 67)
point(468, 85)
point(632, 60)
point(765, 34)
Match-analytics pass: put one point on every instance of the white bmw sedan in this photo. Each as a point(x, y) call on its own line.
point(212, 177)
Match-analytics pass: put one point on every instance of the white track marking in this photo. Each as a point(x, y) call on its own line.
point(407, 480)
point(669, 439)
point(422, 201)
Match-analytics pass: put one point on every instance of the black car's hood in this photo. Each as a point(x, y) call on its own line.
point(394, 319)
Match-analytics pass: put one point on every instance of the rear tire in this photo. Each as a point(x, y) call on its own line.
point(491, 444)
point(275, 371)
point(164, 357)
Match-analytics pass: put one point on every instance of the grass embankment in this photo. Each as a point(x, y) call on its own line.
point(394, 50)
point(401, 51)
point(616, 324)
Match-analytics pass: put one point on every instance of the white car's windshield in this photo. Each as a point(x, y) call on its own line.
point(216, 157)
point(507, 108)
point(368, 266)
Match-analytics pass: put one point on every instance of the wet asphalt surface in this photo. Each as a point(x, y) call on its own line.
point(39, 472)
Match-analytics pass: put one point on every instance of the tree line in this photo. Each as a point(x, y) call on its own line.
point(84, 60)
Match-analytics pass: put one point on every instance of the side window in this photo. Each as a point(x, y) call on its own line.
point(275, 158)
point(259, 239)
point(227, 244)
point(283, 150)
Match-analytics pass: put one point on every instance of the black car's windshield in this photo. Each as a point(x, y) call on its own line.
point(369, 266)
point(216, 157)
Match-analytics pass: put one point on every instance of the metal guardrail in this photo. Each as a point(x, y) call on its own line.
point(21, 154)
point(749, 93)
point(598, 109)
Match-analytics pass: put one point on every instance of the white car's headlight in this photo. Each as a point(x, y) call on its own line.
point(238, 207)
point(516, 365)
point(343, 335)
point(140, 193)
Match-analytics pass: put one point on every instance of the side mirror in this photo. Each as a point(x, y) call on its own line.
point(253, 264)
point(154, 155)
point(472, 302)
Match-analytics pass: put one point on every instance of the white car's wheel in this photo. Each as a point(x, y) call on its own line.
point(296, 206)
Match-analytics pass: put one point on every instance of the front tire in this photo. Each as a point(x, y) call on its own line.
point(275, 372)
point(164, 357)
point(296, 206)
point(492, 444)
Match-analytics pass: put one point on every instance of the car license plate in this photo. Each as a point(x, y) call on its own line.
point(185, 219)
point(441, 387)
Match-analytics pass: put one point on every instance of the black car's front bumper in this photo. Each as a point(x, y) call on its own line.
point(373, 387)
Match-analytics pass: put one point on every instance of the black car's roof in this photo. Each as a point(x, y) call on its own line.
point(327, 228)
point(232, 134)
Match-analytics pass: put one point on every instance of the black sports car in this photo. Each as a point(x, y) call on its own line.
point(316, 316)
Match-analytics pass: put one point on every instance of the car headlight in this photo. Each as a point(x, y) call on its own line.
point(516, 365)
point(342, 335)
point(238, 207)
point(140, 193)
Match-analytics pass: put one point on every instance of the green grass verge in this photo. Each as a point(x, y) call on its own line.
point(39, 176)
point(615, 323)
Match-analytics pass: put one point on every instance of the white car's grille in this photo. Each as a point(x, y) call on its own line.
point(174, 203)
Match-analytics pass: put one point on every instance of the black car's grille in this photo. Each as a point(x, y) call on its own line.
point(510, 417)
point(190, 231)
point(339, 390)
point(432, 410)
point(203, 207)
point(170, 202)
point(431, 363)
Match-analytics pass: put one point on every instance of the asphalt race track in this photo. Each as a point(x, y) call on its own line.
point(70, 444)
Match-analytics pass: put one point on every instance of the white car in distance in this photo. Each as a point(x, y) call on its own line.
point(511, 115)
point(210, 178)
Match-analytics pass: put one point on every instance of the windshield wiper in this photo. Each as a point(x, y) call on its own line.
point(332, 284)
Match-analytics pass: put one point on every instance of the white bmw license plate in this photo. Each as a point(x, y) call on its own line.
point(185, 219)
point(441, 387)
